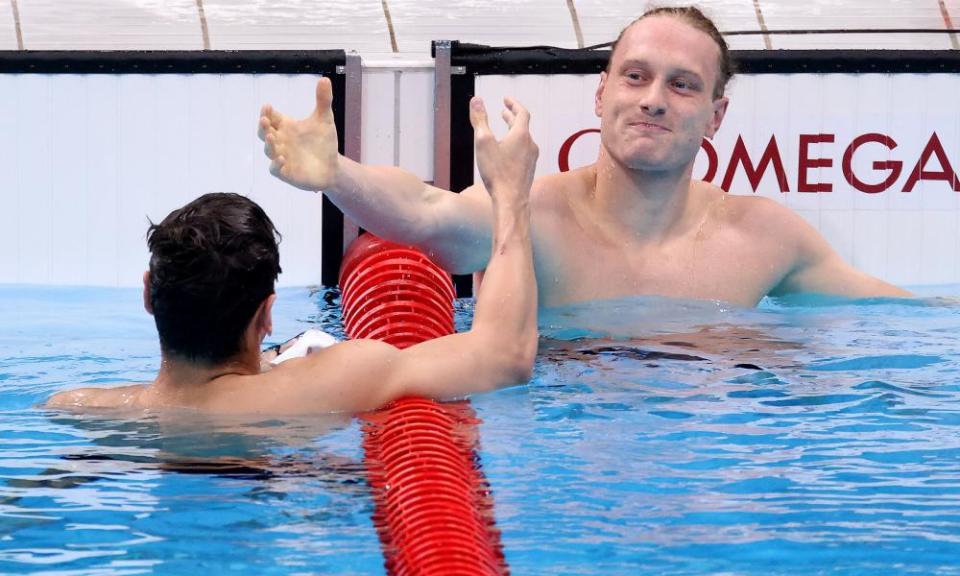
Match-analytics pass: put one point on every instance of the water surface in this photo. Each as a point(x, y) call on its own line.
point(803, 437)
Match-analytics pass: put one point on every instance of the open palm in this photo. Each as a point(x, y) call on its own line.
point(304, 152)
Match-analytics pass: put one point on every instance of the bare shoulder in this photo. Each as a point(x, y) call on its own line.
point(553, 191)
point(551, 198)
point(775, 229)
point(348, 361)
point(334, 379)
point(96, 397)
point(549, 190)
point(760, 215)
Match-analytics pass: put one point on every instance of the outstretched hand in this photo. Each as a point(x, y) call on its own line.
point(302, 152)
point(506, 166)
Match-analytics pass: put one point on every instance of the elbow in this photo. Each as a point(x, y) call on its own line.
point(453, 251)
point(62, 400)
point(523, 374)
point(528, 359)
point(507, 361)
point(519, 361)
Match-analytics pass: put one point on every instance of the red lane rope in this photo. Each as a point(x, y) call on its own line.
point(433, 508)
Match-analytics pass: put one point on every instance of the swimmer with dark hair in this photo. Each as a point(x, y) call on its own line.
point(210, 288)
point(632, 223)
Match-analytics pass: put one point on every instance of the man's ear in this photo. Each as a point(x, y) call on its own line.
point(147, 304)
point(598, 96)
point(719, 111)
point(265, 316)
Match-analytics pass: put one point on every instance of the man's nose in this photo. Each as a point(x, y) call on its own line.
point(654, 100)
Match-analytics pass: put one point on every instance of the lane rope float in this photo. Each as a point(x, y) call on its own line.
point(433, 507)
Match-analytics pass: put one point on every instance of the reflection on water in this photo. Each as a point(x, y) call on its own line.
point(164, 492)
point(79, 492)
point(797, 438)
point(658, 436)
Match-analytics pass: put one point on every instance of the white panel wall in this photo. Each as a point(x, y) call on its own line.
point(88, 161)
point(9, 180)
point(398, 112)
point(908, 238)
point(560, 105)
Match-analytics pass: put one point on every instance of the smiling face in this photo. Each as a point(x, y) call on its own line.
point(656, 100)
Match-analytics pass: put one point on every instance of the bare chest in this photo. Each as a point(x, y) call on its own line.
point(724, 265)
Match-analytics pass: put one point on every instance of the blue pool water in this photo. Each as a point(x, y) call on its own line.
point(657, 437)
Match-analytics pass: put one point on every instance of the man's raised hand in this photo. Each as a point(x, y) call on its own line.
point(304, 152)
point(506, 166)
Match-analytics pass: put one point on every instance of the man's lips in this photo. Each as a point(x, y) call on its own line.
point(649, 126)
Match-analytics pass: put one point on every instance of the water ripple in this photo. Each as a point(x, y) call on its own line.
point(655, 438)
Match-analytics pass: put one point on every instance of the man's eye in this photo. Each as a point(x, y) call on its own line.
point(682, 84)
point(633, 75)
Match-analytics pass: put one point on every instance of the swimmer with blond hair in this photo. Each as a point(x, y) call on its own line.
point(632, 223)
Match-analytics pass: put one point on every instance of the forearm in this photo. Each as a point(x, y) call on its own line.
point(811, 263)
point(500, 348)
point(506, 306)
point(396, 205)
point(832, 276)
point(388, 201)
point(458, 365)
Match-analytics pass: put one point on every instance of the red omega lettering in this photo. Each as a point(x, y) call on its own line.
point(563, 157)
point(946, 172)
point(771, 155)
point(805, 163)
point(894, 166)
point(712, 160)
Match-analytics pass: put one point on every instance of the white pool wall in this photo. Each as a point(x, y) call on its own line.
point(86, 160)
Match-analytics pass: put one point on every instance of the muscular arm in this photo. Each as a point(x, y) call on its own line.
point(454, 229)
point(390, 202)
point(819, 269)
point(500, 348)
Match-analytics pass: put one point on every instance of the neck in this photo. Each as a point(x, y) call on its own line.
point(182, 379)
point(644, 205)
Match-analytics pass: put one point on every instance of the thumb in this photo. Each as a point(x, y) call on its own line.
point(478, 117)
point(324, 95)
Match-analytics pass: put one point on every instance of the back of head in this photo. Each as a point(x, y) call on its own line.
point(692, 16)
point(212, 263)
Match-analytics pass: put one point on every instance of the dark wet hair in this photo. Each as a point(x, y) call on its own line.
point(698, 20)
point(212, 263)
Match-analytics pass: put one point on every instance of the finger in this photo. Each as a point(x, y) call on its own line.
point(324, 95)
point(275, 121)
point(521, 115)
point(273, 116)
point(508, 117)
point(478, 116)
point(270, 147)
point(260, 121)
point(264, 127)
point(276, 167)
